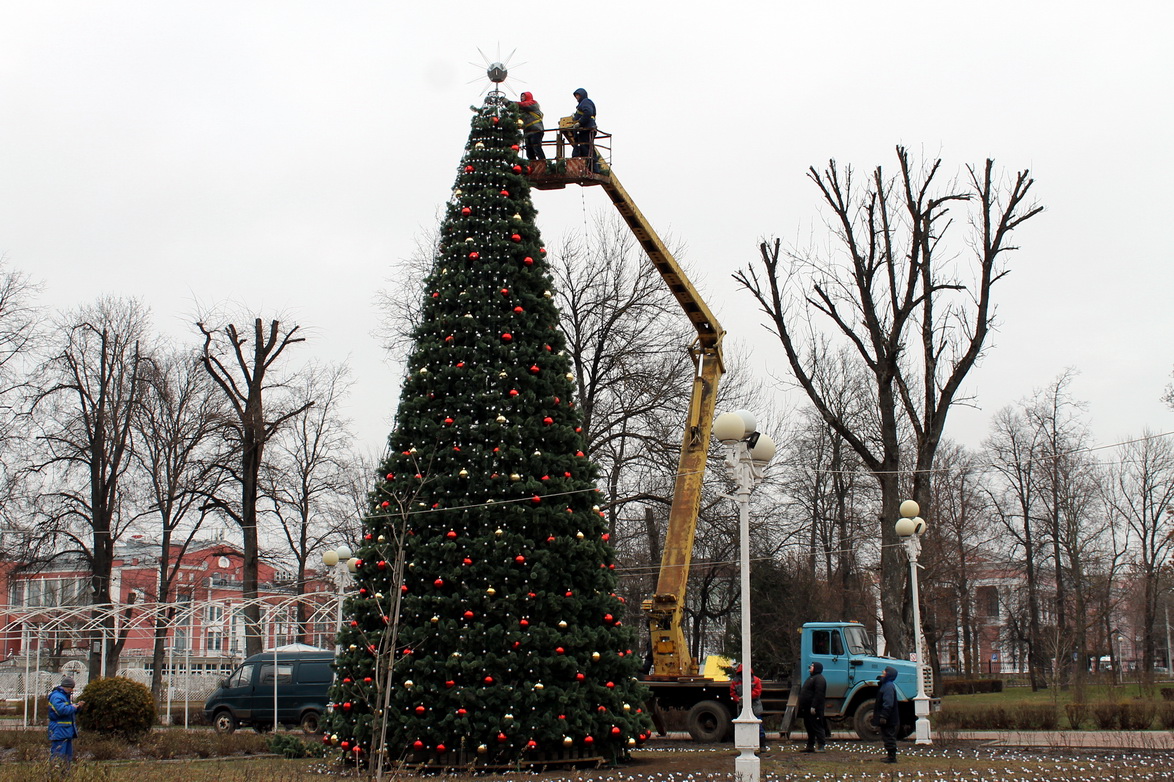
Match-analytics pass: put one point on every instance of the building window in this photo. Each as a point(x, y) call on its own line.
point(988, 601)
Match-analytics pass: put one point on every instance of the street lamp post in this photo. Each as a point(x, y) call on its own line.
point(909, 528)
point(341, 565)
point(747, 453)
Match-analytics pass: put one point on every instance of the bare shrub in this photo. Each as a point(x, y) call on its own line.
point(1137, 715)
point(1077, 714)
point(1105, 714)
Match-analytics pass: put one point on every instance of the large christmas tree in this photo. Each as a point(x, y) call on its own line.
point(484, 521)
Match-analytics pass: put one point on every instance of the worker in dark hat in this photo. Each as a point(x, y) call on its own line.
point(811, 704)
point(62, 721)
point(584, 119)
point(886, 715)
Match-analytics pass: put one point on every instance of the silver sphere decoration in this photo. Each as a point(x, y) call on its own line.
point(496, 72)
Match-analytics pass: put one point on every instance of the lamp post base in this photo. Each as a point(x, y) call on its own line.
point(747, 766)
point(922, 726)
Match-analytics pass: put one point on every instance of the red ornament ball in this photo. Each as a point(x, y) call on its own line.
point(502, 738)
point(438, 583)
point(417, 745)
point(516, 237)
point(474, 255)
point(517, 169)
point(520, 559)
point(466, 211)
point(548, 420)
point(507, 337)
point(528, 261)
point(468, 169)
point(505, 193)
point(440, 749)
point(420, 709)
point(468, 614)
point(450, 534)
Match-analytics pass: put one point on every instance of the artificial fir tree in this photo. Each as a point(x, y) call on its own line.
point(509, 645)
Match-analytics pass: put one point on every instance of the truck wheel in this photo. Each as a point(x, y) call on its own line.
point(862, 722)
point(310, 723)
point(224, 722)
point(709, 722)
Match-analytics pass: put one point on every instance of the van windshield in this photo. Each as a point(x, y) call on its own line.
point(857, 640)
point(242, 677)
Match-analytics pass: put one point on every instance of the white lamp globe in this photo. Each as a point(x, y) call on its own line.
point(918, 525)
point(731, 427)
point(352, 564)
point(330, 558)
point(909, 509)
point(905, 527)
point(764, 450)
point(344, 552)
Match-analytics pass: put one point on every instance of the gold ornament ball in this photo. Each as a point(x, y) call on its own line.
point(631, 742)
point(538, 686)
point(517, 216)
point(501, 419)
point(515, 477)
point(580, 535)
point(562, 624)
point(568, 741)
point(547, 294)
point(482, 749)
point(409, 684)
point(378, 595)
point(435, 619)
point(464, 473)
point(353, 647)
point(423, 370)
point(491, 591)
point(595, 656)
point(498, 532)
point(479, 145)
point(521, 124)
point(627, 707)
point(509, 717)
point(570, 377)
point(382, 538)
point(503, 374)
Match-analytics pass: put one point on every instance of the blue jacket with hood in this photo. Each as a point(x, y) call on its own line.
point(584, 115)
point(886, 697)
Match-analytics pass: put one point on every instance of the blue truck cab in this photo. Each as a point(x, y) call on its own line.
point(852, 668)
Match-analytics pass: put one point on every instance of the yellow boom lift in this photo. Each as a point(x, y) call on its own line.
point(671, 660)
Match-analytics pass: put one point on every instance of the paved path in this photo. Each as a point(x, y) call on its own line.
point(1093, 739)
point(1090, 739)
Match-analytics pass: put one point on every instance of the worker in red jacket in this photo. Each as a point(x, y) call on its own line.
point(755, 700)
point(532, 128)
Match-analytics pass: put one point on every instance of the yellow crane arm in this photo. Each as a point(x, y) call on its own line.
point(670, 650)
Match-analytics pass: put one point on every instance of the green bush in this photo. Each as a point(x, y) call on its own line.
point(971, 686)
point(1166, 715)
point(291, 746)
point(117, 707)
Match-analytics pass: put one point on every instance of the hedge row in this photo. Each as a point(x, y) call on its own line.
point(971, 686)
point(1102, 715)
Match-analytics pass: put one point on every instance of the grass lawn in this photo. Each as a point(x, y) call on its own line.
point(681, 761)
point(1092, 693)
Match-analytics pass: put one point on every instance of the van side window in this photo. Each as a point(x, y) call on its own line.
point(837, 644)
point(314, 673)
point(243, 676)
point(284, 673)
point(819, 642)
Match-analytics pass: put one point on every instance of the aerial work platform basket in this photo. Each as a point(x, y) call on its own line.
point(562, 169)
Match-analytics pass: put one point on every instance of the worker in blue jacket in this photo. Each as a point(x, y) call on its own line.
point(584, 118)
point(887, 715)
point(62, 724)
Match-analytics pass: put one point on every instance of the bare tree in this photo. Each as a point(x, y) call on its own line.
point(1144, 497)
point(1012, 447)
point(243, 375)
point(180, 458)
point(18, 339)
point(93, 387)
point(306, 477)
point(892, 294)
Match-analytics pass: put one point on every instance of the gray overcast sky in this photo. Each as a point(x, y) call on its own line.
point(284, 154)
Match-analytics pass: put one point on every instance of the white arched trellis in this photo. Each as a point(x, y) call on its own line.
point(42, 644)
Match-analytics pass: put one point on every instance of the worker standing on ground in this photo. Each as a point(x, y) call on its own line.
point(755, 701)
point(62, 721)
point(532, 127)
point(811, 703)
point(886, 715)
point(584, 118)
